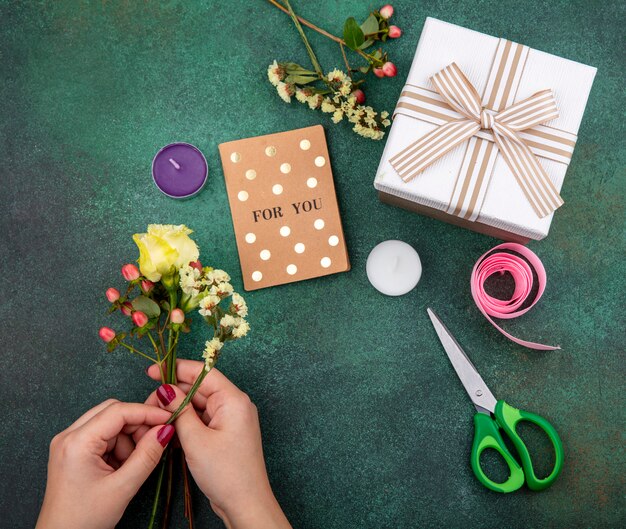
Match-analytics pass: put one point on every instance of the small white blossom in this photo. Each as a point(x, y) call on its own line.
point(219, 276)
point(211, 350)
point(285, 91)
point(239, 305)
point(228, 321)
point(337, 116)
point(224, 289)
point(275, 73)
point(189, 280)
point(207, 304)
point(336, 76)
point(241, 329)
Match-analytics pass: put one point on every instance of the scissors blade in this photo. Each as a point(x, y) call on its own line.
point(478, 392)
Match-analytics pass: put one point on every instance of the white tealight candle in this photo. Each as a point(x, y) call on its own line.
point(393, 268)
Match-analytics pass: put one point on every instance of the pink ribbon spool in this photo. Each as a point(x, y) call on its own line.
point(494, 262)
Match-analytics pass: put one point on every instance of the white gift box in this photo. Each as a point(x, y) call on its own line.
point(497, 205)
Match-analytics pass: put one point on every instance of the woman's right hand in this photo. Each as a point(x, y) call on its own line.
point(222, 445)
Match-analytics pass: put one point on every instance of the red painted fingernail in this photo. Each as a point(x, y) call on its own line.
point(164, 435)
point(166, 394)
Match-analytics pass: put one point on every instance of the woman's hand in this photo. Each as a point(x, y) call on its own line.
point(222, 445)
point(98, 464)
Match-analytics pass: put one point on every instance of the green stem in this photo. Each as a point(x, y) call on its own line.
point(172, 339)
point(132, 349)
point(190, 394)
point(309, 50)
point(157, 496)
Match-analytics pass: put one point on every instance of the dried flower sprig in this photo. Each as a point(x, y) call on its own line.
point(340, 97)
point(337, 92)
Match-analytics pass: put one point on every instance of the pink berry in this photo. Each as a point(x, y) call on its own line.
point(177, 316)
point(394, 32)
point(139, 318)
point(389, 69)
point(197, 265)
point(107, 334)
point(359, 95)
point(378, 72)
point(386, 11)
point(130, 272)
point(147, 286)
point(112, 294)
point(126, 308)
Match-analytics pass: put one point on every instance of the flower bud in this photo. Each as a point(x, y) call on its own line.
point(130, 272)
point(197, 265)
point(386, 11)
point(107, 334)
point(177, 316)
point(147, 286)
point(112, 294)
point(389, 69)
point(139, 318)
point(394, 32)
point(126, 308)
point(359, 95)
point(378, 72)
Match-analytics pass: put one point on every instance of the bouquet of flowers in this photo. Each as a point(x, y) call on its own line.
point(169, 284)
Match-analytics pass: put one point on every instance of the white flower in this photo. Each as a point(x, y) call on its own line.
point(337, 76)
point(327, 105)
point(189, 280)
point(239, 305)
point(275, 73)
point(210, 353)
point(228, 321)
point(207, 304)
point(241, 329)
point(285, 91)
point(315, 101)
point(337, 116)
point(219, 276)
point(223, 289)
point(301, 96)
point(346, 88)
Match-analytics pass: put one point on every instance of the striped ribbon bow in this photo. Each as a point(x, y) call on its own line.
point(459, 94)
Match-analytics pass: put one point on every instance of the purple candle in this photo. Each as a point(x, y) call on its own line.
point(179, 170)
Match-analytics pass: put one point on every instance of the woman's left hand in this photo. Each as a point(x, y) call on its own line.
point(98, 464)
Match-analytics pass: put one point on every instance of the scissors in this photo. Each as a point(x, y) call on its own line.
point(493, 417)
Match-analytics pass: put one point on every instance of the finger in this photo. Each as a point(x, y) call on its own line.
point(140, 432)
point(198, 401)
point(188, 424)
point(90, 413)
point(111, 420)
point(188, 370)
point(123, 447)
point(143, 459)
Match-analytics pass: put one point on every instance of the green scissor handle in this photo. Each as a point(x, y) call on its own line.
point(509, 417)
point(487, 435)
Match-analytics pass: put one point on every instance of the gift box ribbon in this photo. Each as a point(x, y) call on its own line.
point(515, 130)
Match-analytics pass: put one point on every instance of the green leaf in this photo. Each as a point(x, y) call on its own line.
point(301, 79)
point(370, 25)
point(147, 306)
point(366, 44)
point(353, 34)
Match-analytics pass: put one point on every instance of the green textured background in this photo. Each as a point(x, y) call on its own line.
point(364, 421)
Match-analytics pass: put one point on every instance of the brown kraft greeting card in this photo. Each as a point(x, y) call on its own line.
point(284, 208)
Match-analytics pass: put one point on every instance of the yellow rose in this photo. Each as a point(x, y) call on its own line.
point(165, 249)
